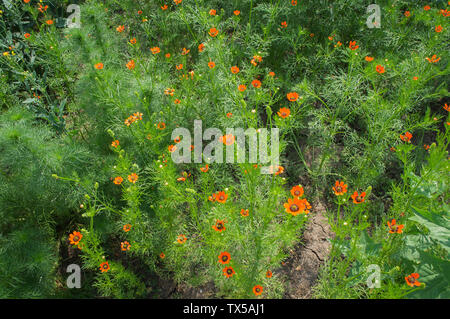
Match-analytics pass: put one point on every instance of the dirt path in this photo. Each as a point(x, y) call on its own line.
point(302, 268)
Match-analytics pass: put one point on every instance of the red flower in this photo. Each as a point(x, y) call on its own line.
point(394, 228)
point(358, 199)
point(256, 83)
point(257, 290)
point(219, 226)
point(406, 138)
point(104, 266)
point(380, 69)
point(411, 280)
point(213, 32)
point(224, 258)
point(340, 188)
point(352, 45)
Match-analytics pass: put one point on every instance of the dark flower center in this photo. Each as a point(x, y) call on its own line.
point(224, 258)
point(76, 238)
point(229, 271)
point(219, 225)
point(294, 208)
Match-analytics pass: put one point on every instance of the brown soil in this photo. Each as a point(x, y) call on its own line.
point(302, 267)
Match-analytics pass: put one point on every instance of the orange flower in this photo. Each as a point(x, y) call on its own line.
point(394, 228)
point(162, 255)
point(181, 239)
point(211, 64)
point(167, 55)
point(99, 66)
point(133, 178)
point(283, 24)
point(164, 7)
point(297, 191)
point(205, 169)
point(234, 69)
point(224, 258)
point(201, 47)
point(26, 1)
point(179, 66)
point(256, 83)
point(426, 147)
point(177, 139)
point(294, 2)
point(284, 112)
point(244, 212)
point(42, 8)
point(177, 2)
point(115, 143)
point(118, 180)
point(221, 197)
point(269, 274)
point(133, 41)
point(380, 69)
point(140, 12)
point(27, 35)
point(236, 12)
point(177, 101)
point(368, 58)
point(340, 188)
point(411, 280)
point(272, 74)
point(212, 198)
point(292, 96)
point(257, 290)
point(415, 78)
point(438, 28)
point(126, 228)
point(49, 22)
point(352, 45)
point(213, 32)
point(130, 65)
point(427, 7)
point(256, 58)
point(279, 171)
point(295, 206)
point(228, 272)
point(446, 107)
point(242, 87)
point(125, 246)
point(172, 148)
point(338, 44)
point(212, 12)
point(219, 226)
point(185, 51)
point(407, 13)
point(120, 28)
point(227, 139)
point(434, 59)
point(75, 238)
point(406, 138)
point(161, 125)
point(155, 50)
point(358, 199)
point(229, 114)
point(104, 266)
